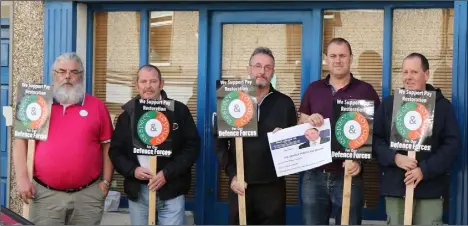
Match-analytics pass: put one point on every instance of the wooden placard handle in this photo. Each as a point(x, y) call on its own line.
point(408, 219)
point(30, 167)
point(240, 179)
point(153, 164)
point(345, 206)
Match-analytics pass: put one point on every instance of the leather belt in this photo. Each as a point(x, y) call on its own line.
point(65, 190)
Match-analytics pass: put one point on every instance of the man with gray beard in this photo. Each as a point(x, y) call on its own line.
point(67, 186)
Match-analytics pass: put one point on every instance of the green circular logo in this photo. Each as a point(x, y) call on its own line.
point(153, 128)
point(32, 111)
point(352, 130)
point(237, 109)
point(410, 120)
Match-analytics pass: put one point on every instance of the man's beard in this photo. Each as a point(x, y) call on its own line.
point(262, 84)
point(68, 95)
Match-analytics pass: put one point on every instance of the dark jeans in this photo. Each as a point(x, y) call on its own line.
point(322, 197)
point(265, 204)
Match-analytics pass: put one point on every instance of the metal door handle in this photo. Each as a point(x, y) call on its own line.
point(213, 124)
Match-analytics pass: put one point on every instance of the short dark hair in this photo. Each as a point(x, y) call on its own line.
point(262, 50)
point(339, 41)
point(149, 67)
point(424, 61)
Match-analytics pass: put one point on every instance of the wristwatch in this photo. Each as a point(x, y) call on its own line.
point(106, 183)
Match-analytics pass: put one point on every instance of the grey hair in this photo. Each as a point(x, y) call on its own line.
point(68, 56)
point(262, 50)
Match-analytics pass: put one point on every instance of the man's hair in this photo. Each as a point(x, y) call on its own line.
point(262, 50)
point(312, 129)
point(339, 41)
point(68, 56)
point(424, 61)
point(149, 67)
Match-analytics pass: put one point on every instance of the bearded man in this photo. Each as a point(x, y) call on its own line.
point(67, 186)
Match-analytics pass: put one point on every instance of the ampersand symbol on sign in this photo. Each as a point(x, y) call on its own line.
point(153, 127)
point(236, 108)
point(352, 130)
point(412, 120)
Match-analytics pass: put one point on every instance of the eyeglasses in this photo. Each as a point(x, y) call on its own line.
point(258, 67)
point(63, 72)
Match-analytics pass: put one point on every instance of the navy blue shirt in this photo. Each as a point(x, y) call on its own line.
point(319, 97)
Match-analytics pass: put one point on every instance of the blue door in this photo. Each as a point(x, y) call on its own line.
point(4, 81)
point(232, 38)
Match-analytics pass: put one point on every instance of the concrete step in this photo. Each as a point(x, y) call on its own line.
point(122, 217)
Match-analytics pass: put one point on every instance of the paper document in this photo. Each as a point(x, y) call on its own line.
point(300, 148)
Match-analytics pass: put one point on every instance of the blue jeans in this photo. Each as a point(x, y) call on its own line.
point(170, 212)
point(322, 197)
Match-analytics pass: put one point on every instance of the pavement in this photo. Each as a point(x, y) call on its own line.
point(122, 217)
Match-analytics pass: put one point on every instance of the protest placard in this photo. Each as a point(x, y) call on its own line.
point(353, 129)
point(412, 120)
point(236, 108)
point(32, 118)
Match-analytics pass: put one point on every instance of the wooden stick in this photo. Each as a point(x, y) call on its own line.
point(30, 167)
point(153, 164)
point(408, 220)
point(345, 206)
point(240, 179)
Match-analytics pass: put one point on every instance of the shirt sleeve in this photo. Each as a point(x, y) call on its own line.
point(305, 103)
point(106, 124)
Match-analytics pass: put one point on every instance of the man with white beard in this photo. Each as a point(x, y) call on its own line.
point(67, 187)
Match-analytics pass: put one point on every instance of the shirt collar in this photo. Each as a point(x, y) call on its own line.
point(351, 81)
point(316, 141)
point(80, 102)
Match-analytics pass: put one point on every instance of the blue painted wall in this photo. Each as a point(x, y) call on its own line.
point(59, 32)
point(4, 93)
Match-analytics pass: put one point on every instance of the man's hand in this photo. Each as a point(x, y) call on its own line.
point(414, 176)
point(235, 187)
point(25, 189)
point(404, 162)
point(315, 120)
point(276, 130)
point(157, 182)
point(104, 188)
point(354, 168)
point(142, 174)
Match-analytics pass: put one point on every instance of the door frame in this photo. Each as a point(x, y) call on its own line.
point(219, 211)
point(5, 101)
